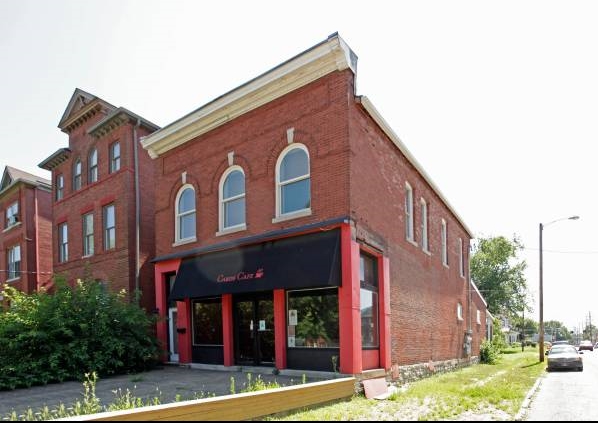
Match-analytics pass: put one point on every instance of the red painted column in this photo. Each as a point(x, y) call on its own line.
point(184, 330)
point(280, 333)
point(349, 308)
point(384, 305)
point(227, 328)
point(160, 269)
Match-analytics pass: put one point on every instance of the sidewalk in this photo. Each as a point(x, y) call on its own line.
point(167, 383)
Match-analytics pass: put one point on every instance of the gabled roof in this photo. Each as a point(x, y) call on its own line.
point(12, 176)
point(81, 106)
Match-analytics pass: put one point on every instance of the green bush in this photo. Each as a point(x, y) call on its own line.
point(489, 352)
point(76, 330)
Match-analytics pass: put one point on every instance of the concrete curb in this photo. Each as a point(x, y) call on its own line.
point(521, 414)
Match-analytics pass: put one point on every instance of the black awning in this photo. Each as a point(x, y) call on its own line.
point(304, 261)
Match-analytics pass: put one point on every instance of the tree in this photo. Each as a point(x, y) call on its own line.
point(498, 274)
point(557, 330)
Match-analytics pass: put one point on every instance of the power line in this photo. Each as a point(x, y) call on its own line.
point(562, 252)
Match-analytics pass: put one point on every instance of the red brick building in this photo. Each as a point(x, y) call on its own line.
point(103, 201)
point(294, 229)
point(26, 231)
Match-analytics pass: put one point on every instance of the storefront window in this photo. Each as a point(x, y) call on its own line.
point(368, 276)
point(313, 318)
point(207, 322)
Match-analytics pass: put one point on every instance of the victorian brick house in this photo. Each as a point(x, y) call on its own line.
point(26, 231)
point(103, 201)
point(294, 229)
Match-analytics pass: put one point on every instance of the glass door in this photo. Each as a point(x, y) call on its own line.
point(254, 330)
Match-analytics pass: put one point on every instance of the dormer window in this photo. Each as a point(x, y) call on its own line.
point(12, 214)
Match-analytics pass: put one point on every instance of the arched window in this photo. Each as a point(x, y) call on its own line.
point(185, 214)
point(77, 175)
point(92, 166)
point(293, 181)
point(232, 199)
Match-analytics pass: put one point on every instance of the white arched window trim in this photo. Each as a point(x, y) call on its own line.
point(177, 215)
point(236, 228)
point(279, 217)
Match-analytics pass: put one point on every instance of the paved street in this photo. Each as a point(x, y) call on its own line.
point(167, 383)
point(567, 395)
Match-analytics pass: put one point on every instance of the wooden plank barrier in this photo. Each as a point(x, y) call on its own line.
point(244, 406)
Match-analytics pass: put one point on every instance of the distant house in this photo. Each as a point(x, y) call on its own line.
point(25, 231)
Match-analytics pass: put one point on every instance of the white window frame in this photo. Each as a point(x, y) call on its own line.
point(177, 239)
point(77, 178)
point(478, 317)
point(13, 262)
point(114, 159)
point(461, 259)
point(12, 214)
point(409, 218)
point(459, 311)
point(222, 230)
point(425, 241)
point(296, 213)
point(63, 242)
point(92, 166)
point(88, 237)
point(444, 242)
point(108, 230)
point(59, 187)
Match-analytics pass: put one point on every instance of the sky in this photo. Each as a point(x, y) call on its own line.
point(498, 101)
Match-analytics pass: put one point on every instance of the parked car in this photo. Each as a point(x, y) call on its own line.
point(586, 345)
point(564, 357)
point(596, 345)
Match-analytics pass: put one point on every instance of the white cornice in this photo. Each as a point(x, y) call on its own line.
point(322, 59)
point(373, 112)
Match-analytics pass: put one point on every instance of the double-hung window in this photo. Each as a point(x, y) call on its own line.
point(424, 218)
point(109, 215)
point(114, 157)
point(232, 199)
point(92, 166)
point(409, 213)
point(59, 187)
point(63, 243)
point(88, 235)
point(185, 214)
point(14, 262)
point(293, 194)
point(12, 214)
point(77, 175)
point(443, 242)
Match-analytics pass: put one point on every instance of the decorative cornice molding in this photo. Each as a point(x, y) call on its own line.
point(117, 118)
point(377, 117)
point(55, 159)
point(329, 56)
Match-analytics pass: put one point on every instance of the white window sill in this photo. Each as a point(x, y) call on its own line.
point(428, 252)
point(292, 215)
point(184, 241)
point(13, 279)
point(412, 242)
point(15, 225)
point(87, 256)
point(232, 230)
point(460, 318)
point(445, 265)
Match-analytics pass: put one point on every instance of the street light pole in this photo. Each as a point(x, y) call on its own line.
point(541, 292)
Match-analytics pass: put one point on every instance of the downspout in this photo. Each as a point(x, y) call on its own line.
point(36, 219)
point(469, 325)
point(137, 210)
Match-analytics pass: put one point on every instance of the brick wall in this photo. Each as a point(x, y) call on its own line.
point(115, 266)
point(318, 114)
point(424, 292)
